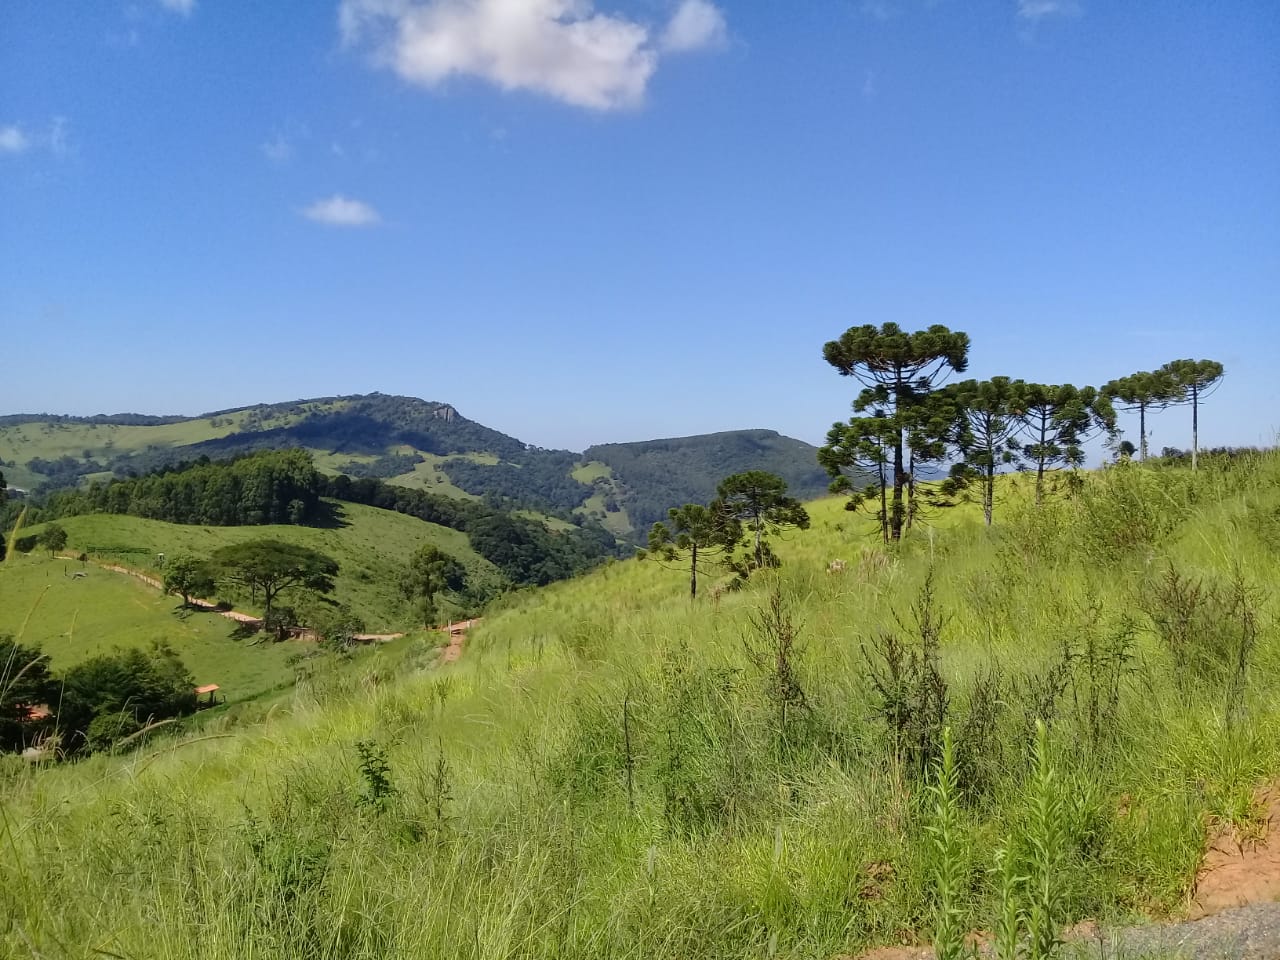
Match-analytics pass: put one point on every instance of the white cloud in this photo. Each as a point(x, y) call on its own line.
point(13, 140)
point(184, 7)
point(696, 25)
point(563, 49)
point(1036, 10)
point(340, 211)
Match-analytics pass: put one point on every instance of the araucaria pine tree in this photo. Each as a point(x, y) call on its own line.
point(696, 533)
point(1140, 393)
point(856, 450)
point(1055, 421)
point(758, 500)
point(986, 428)
point(898, 371)
point(1193, 380)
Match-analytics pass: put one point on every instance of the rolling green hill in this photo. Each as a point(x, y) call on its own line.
point(370, 545)
point(73, 619)
point(414, 443)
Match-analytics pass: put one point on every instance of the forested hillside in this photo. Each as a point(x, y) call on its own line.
point(412, 443)
point(651, 476)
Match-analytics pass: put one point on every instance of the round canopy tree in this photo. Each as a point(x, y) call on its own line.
point(273, 565)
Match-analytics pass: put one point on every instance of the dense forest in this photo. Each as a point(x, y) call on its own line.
point(656, 475)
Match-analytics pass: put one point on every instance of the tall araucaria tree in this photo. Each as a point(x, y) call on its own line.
point(1141, 392)
point(759, 500)
point(1194, 380)
point(696, 533)
point(897, 370)
point(1055, 421)
point(986, 423)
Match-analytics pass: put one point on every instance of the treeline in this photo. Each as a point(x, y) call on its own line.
point(271, 487)
point(908, 419)
point(535, 479)
point(384, 467)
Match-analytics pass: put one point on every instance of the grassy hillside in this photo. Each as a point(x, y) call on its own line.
point(612, 771)
point(76, 618)
point(370, 545)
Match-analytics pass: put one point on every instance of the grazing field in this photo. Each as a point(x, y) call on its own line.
point(1007, 729)
point(371, 547)
point(73, 618)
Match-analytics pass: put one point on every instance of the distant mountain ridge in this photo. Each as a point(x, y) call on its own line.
point(416, 443)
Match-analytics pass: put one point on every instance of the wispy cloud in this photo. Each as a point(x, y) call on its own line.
point(278, 149)
point(340, 211)
point(1037, 10)
point(184, 7)
point(562, 49)
point(13, 140)
point(696, 25)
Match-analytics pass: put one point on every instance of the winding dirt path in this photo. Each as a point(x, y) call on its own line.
point(457, 636)
point(236, 615)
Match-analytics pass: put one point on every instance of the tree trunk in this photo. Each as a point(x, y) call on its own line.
point(884, 505)
point(1195, 425)
point(911, 489)
point(895, 516)
point(1142, 432)
point(759, 554)
point(989, 490)
point(693, 573)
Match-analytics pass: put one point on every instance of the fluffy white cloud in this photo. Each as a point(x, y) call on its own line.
point(696, 25)
point(13, 140)
point(563, 49)
point(1035, 10)
point(340, 211)
point(184, 7)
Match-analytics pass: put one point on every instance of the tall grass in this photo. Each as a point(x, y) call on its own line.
point(614, 772)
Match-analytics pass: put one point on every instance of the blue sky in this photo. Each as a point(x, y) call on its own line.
point(583, 222)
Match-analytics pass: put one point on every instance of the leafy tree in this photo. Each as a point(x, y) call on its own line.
point(1193, 380)
point(431, 571)
point(1055, 421)
point(1142, 392)
point(187, 577)
point(25, 682)
point(113, 695)
point(273, 565)
point(987, 423)
point(697, 533)
point(53, 538)
point(760, 500)
point(857, 448)
point(897, 370)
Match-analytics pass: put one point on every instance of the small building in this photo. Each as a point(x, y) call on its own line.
point(211, 691)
